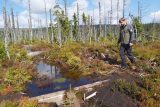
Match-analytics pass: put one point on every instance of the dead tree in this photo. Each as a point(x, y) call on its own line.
point(78, 21)
point(59, 33)
point(51, 25)
point(117, 11)
point(46, 20)
point(40, 27)
point(65, 4)
point(10, 36)
point(111, 12)
point(30, 21)
point(93, 27)
point(18, 31)
point(99, 19)
point(89, 28)
point(108, 17)
point(124, 3)
point(13, 26)
point(139, 12)
point(6, 31)
point(105, 20)
point(71, 29)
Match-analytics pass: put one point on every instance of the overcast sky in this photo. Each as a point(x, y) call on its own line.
point(150, 9)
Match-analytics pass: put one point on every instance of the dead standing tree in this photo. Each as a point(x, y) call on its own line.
point(100, 22)
point(6, 34)
point(46, 20)
point(51, 25)
point(65, 4)
point(13, 26)
point(111, 13)
point(117, 12)
point(30, 22)
point(79, 36)
point(124, 3)
point(18, 31)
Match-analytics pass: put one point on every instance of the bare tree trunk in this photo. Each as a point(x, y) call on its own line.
point(105, 22)
point(46, 20)
point(139, 11)
point(108, 17)
point(111, 13)
point(13, 26)
point(93, 27)
point(71, 33)
point(88, 28)
point(117, 12)
point(51, 26)
point(30, 22)
point(6, 31)
point(79, 36)
point(59, 33)
point(99, 19)
point(18, 31)
point(10, 36)
point(124, 3)
point(65, 4)
point(42, 37)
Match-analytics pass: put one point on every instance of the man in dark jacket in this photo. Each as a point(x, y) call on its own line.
point(125, 40)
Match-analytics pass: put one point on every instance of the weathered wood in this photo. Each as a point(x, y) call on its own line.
point(6, 31)
point(46, 21)
point(30, 22)
point(59, 32)
point(13, 25)
point(117, 12)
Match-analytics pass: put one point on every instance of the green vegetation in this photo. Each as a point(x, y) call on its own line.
point(17, 78)
point(127, 88)
point(2, 52)
point(147, 92)
point(8, 104)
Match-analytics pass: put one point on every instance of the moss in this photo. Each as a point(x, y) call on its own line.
point(25, 102)
point(8, 104)
point(127, 88)
point(147, 51)
point(60, 80)
point(17, 78)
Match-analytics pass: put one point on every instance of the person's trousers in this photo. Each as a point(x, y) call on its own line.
point(125, 49)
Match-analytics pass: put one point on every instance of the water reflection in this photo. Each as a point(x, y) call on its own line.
point(53, 80)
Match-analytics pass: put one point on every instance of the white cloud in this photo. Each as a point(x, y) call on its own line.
point(83, 6)
point(155, 16)
point(37, 10)
point(24, 17)
point(37, 6)
point(106, 7)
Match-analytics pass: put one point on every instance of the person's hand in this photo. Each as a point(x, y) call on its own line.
point(130, 44)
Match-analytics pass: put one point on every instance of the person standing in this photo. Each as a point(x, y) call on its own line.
point(126, 40)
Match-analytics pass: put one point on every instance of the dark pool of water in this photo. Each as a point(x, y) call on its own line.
point(57, 81)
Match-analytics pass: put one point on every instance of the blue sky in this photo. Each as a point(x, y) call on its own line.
point(150, 9)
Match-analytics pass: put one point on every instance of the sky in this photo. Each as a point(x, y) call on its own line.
point(150, 10)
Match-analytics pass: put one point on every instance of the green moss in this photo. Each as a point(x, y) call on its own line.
point(17, 78)
point(60, 80)
point(127, 88)
point(8, 104)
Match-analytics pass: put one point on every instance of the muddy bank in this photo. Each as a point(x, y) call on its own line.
point(108, 96)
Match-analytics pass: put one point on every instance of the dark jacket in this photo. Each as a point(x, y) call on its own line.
point(126, 34)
